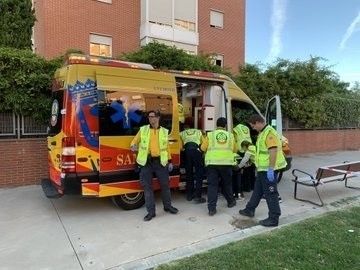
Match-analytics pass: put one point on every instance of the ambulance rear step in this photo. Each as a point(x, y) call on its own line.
point(49, 190)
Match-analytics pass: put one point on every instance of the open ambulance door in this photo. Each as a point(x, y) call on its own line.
point(274, 118)
point(273, 114)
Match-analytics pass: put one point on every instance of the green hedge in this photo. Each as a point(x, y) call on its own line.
point(25, 83)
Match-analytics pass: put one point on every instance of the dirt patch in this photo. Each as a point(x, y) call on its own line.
point(243, 223)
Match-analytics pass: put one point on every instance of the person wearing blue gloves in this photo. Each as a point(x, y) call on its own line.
point(269, 158)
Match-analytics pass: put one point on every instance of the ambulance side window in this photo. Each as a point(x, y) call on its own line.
point(122, 113)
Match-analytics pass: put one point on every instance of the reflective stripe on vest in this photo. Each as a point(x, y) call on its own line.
point(262, 157)
point(220, 148)
point(191, 135)
point(242, 133)
point(144, 145)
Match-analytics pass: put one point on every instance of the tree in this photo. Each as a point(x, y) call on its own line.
point(16, 22)
point(164, 57)
point(311, 94)
point(25, 83)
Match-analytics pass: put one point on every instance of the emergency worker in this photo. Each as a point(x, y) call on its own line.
point(240, 178)
point(154, 157)
point(249, 155)
point(220, 153)
point(269, 158)
point(242, 133)
point(191, 139)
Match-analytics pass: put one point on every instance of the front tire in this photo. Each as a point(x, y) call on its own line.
point(129, 201)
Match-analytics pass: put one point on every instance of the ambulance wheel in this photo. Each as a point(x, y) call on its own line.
point(129, 201)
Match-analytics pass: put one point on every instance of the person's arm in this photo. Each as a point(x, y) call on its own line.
point(235, 147)
point(204, 144)
point(244, 160)
point(272, 160)
point(136, 139)
point(181, 142)
point(271, 144)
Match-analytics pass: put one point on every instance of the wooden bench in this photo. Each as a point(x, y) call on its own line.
point(326, 174)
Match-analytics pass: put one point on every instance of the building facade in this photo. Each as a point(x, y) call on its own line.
point(112, 27)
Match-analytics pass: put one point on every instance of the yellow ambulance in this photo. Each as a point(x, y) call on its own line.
point(99, 105)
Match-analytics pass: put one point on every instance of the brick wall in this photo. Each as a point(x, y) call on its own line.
point(66, 24)
point(228, 41)
point(24, 162)
point(315, 141)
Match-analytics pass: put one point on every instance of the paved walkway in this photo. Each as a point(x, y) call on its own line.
point(80, 233)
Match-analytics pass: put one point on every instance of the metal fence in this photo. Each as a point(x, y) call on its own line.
point(19, 126)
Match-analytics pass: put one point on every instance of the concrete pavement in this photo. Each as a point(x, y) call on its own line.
point(81, 233)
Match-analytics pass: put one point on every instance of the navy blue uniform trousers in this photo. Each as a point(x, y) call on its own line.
point(214, 174)
point(269, 189)
point(194, 160)
point(152, 166)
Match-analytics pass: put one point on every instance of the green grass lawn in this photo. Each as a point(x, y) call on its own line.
point(331, 241)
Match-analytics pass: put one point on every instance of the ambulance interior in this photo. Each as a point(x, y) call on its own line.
point(202, 102)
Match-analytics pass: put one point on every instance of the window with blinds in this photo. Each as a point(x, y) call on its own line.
point(160, 12)
point(216, 19)
point(100, 45)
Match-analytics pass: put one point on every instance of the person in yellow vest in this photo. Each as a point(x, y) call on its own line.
point(247, 161)
point(220, 149)
point(191, 138)
point(242, 133)
point(241, 178)
point(269, 158)
point(249, 156)
point(153, 156)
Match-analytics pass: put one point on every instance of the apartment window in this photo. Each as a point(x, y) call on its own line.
point(100, 45)
point(185, 15)
point(184, 25)
point(216, 19)
point(218, 60)
point(160, 12)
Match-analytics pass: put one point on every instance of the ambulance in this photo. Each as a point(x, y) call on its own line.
point(99, 105)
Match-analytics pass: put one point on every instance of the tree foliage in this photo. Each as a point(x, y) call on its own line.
point(164, 57)
point(25, 81)
point(16, 22)
point(311, 94)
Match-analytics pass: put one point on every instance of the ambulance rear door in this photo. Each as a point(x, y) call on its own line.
point(273, 114)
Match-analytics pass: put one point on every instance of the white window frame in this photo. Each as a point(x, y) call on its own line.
point(105, 1)
point(218, 57)
point(216, 19)
point(101, 40)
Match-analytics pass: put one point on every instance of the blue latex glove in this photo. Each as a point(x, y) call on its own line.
point(270, 175)
point(170, 167)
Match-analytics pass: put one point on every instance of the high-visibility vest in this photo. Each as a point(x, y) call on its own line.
point(242, 133)
point(220, 148)
point(144, 145)
point(262, 157)
point(191, 135)
point(252, 151)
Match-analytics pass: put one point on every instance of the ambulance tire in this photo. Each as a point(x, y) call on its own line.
point(129, 201)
